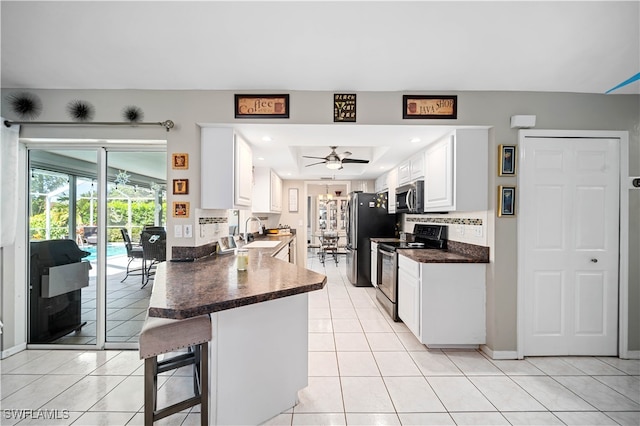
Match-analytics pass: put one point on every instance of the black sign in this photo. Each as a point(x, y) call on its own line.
point(344, 107)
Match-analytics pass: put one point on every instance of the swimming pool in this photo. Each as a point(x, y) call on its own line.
point(113, 249)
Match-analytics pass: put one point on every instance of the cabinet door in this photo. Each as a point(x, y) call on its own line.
point(404, 173)
point(392, 180)
point(276, 192)
point(438, 187)
point(243, 173)
point(409, 300)
point(417, 166)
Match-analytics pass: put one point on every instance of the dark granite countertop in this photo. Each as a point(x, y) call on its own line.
point(211, 284)
point(385, 240)
point(456, 252)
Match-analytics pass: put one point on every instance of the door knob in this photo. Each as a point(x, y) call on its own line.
point(594, 260)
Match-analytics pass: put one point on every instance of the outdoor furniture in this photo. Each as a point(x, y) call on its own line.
point(328, 245)
point(154, 250)
point(161, 336)
point(57, 277)
point(133, 252)
point(90, 234)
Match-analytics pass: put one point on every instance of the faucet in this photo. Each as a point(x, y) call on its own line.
point(246, 226)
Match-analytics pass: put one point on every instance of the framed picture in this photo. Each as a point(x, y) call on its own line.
point(180, 186)
point(429, 107)
point(262, 106)
point(506, 201)
point(344, 107)
point(180, 161)
point(506, 160)
point(180, 209)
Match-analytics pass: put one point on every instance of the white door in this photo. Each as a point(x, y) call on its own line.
point(569, 202)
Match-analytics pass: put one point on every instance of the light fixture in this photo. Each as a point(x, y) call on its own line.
point(334, 164)
point(266, 139)
point(415, 140)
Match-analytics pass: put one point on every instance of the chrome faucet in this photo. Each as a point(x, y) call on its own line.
point(246, 226)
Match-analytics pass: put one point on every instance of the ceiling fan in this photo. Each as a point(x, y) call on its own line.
point(334, 160)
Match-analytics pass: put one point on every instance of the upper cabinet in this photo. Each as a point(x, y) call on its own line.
point(411, 169)
point(381, 183)
point(226, 169)
point(456, 172)
point(267, 191)
point(392, 183)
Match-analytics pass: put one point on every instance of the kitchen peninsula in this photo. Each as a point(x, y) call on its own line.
point(258, 353)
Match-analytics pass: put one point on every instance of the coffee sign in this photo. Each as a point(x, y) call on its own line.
point(429, 107)
point(262, 106)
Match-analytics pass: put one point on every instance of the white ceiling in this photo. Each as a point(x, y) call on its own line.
point(586, 47)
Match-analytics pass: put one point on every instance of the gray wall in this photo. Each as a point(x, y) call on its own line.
point(553, 110)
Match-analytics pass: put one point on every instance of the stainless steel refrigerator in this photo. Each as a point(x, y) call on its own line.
point(367, 218)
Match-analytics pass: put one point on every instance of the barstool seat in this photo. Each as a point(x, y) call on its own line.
point(160, 336)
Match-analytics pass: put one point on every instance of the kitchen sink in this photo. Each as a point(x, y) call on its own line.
point(262, 244)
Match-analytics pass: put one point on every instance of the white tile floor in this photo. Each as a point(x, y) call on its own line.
point(363, 370)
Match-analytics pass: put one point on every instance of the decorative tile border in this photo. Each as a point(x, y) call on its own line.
point(209, 220)
point(447, 220)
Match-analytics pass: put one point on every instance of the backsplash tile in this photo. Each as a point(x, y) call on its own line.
point(446, 220)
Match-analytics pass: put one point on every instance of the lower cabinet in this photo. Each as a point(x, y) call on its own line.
point(443, 304)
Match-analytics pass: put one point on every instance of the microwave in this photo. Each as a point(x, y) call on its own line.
point(410, 197)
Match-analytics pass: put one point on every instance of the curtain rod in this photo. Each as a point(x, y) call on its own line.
point(167, 124)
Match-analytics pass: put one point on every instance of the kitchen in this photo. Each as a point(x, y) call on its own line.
point(193, 110)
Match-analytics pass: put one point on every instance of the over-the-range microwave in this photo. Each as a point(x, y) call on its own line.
point(410, 197)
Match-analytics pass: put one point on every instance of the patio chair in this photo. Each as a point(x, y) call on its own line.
point(90, 235)
point(154, 250)
point(134, 251)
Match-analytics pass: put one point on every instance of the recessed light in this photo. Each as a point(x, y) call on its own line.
point(261, 158)
point(415, 140)
point(266, 139)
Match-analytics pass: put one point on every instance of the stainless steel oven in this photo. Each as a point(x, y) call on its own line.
point(387, 290)
point(426, 237)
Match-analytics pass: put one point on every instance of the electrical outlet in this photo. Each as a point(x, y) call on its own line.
point(460, 229)
point(188, 231)
point(177, 231)
point(478, 231)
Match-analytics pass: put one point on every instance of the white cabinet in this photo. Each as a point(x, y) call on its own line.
point(374, 264)
point(392, 180)
point(416, 164)
point(404, 172)
point(267, 191)
point(381, 183)
point(443, 304)
point(409, 301)
point(411, 169)
point(226, 169)
point(456, 172)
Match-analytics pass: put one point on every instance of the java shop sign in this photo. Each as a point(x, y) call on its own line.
point(429, 107)
point(262, 106)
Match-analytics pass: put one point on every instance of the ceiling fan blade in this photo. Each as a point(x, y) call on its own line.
point(315, 164)
point(318, 158)
point(354, 160)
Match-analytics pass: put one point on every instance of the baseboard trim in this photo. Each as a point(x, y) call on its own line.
point(498, 354)
point(633, 355)
point(12, 351)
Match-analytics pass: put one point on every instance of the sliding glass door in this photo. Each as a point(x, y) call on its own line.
point(87, 210)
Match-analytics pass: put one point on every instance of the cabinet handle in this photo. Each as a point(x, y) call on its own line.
point(594, 260)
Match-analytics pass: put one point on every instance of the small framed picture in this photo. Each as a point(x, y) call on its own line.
point(180, 186)
point(180, 161)
point(506, 201)
point(506, 160)
point(180, 209)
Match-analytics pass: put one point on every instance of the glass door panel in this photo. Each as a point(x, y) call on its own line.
point(136, 198)
point(62, 247)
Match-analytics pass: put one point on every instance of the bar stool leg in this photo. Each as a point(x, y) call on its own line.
point(204, 384)
point(150, 386)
